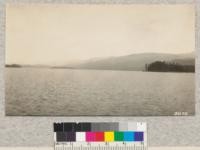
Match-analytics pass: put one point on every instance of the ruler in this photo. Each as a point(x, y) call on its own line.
point(100, 136)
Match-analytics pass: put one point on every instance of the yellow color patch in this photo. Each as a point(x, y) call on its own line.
point(109, 136)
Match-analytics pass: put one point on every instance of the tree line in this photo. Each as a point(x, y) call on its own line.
point(162, 66)
point(13, 65)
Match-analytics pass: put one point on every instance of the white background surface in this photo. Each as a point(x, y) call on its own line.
point(38, 131)
point(51, 148)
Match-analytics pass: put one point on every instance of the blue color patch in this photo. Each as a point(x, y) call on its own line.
point(139, 136)
point(129, 136)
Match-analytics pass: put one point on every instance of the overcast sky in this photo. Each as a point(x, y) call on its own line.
point(55, 34)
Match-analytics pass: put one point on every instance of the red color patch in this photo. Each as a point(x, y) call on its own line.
point(99, 136)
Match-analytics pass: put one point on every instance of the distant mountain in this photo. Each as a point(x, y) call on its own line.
point(185, 61)
point(135, 62)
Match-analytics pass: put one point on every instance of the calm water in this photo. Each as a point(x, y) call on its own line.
point(39, 91)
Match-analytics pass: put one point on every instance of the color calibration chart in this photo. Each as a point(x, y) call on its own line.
point(100, 136)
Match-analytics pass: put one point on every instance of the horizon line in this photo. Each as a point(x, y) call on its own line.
point(49, 64)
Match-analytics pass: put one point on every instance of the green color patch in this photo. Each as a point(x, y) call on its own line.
point(119, 136)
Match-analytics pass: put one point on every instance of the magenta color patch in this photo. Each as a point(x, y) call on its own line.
point(90, 136)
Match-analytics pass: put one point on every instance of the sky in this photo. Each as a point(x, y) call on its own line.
point(59, 34)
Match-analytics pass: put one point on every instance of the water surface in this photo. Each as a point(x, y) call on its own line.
point(43, 91)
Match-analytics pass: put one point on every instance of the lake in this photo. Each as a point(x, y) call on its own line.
point(46, 91)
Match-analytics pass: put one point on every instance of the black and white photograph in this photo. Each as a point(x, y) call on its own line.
point(100, 60)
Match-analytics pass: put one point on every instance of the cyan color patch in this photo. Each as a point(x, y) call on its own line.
point(129, 136)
